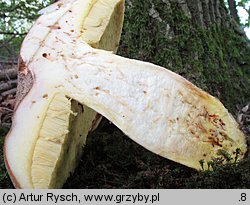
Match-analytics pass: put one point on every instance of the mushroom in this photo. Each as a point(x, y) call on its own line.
point(64, 127)
point(155, 107)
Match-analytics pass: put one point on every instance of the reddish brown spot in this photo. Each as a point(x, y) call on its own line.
point(33, 101)
point(172, 121)
point(76, 76)
point(45, 96)
point(97, 88)
point(214, 141)
point(44, 55)
point(21, 64)
point(200, 126)
point(222, 124)
point(196, 91)
point(72, 30)
point(68, 34)
point(56, 141)
point(224, 135)
point(60, 5)
point(42, 44)
point(213, 116)
point(70, 10)
point(54, 27)
point(180, 93)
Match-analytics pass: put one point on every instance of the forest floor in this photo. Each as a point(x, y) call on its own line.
point(112, 160)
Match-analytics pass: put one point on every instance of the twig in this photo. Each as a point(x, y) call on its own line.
point(11, 73)
point(5, 109)
point(9, 92)
point(8, 85)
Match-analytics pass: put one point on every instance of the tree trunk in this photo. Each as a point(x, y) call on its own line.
point(233, 10)
point(195, 38)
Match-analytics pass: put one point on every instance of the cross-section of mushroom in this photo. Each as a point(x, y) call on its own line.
point(65, 123)
point(70, 81)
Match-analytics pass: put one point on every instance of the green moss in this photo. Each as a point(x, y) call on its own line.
point(216, 59)
point(227, 177)
point(112, 160)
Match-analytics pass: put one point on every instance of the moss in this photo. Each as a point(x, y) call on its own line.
point(227, 177)
point(112, 160)
point(214, 58)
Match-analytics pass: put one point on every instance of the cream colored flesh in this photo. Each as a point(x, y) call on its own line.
point(62, 134)
point(55, 159)
point(155, 107)
point(50, 140)
point(60, 142)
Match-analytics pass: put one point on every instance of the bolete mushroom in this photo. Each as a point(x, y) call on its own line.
point(66, 123)
point(155, 107)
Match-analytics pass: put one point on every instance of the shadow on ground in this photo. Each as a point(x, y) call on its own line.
point(112, 160)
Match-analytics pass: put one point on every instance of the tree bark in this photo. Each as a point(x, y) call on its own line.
point(195, 38)
point(233, 10)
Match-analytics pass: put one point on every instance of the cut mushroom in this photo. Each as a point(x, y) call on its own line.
point(65, 125)
point(155, 107)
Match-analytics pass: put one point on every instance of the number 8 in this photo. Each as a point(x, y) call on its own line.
point(243, 197)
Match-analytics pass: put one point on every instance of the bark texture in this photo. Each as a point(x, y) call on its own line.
point(197, 39)
point(233, 10)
